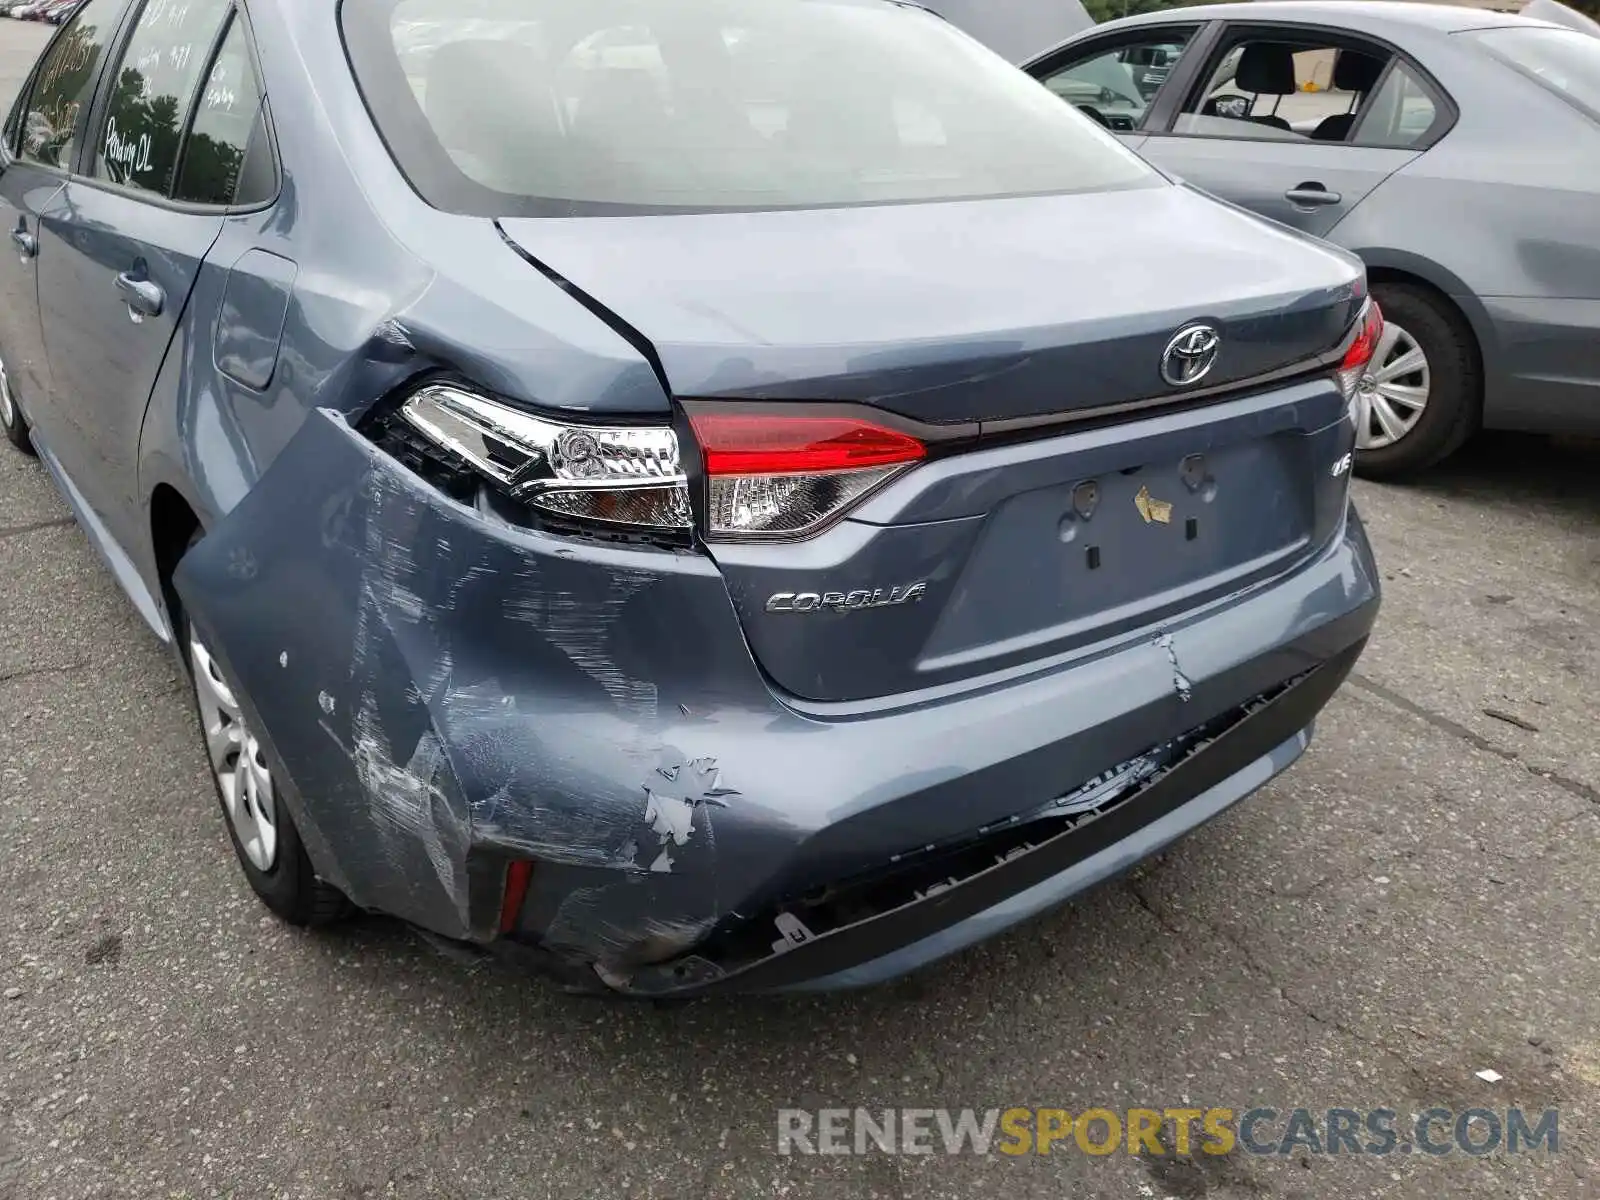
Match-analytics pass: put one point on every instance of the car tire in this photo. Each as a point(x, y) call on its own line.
point(12, 421)
point(265, 840)
point(1417, 319)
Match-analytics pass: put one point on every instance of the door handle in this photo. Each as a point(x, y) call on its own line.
point(27, 245)
point(144, 298)
point(1311, 195)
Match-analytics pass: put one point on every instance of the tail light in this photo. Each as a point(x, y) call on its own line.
point(1358, 358)
point(772, 473)
point(783, 475)
point(617, 477)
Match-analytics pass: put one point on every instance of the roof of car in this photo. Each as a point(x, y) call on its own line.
point(1444, 18)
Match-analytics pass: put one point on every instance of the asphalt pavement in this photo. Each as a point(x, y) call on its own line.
point(1413, 904)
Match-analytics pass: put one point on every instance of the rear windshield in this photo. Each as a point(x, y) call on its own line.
point(1564, 60)
point(595, 107)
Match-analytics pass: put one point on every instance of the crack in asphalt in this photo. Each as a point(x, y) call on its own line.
point(28, 672)
point(1444, 724)
point(11, 531)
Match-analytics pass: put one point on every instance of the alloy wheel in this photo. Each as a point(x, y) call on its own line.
point(1394, 392)
point(243, 779)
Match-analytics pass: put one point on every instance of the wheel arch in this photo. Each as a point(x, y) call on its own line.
point(173, 524)
point(1377, 275)
point(1386, 264)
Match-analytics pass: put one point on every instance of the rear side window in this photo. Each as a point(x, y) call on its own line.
point(229, 132)
point(1563, 60)
point(152, 91)
point(1401, 114)
point(63, 85)
point(590, 107)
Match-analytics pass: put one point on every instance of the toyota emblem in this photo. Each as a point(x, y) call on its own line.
point(1190, 355)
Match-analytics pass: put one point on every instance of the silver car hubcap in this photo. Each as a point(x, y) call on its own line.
point(8, 406)
point(1394, 392)
point(237, 758)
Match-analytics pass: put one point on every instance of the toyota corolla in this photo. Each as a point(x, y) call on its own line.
point(690, 494)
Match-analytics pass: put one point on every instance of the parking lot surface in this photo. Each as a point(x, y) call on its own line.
point(1413, 904)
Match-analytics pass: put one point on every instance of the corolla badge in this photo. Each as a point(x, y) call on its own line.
point(809, 602)
point(1190, 355)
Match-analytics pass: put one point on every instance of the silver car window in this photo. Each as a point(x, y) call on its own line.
point(1403, 112)
point(1266, 87)
point(1117, 86)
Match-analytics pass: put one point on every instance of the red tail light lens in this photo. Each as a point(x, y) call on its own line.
point(1359, 356)
point(786, 475)
point(752, 444)
point(1366, 343)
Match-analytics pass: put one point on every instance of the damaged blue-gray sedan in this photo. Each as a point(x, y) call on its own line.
point(691, 494)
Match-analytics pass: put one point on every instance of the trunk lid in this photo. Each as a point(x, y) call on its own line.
point(955, 312)
point(1031, 544)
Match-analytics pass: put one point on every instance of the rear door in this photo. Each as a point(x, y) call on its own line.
point(1276, 119)
point(120, 250)
point(41, 138)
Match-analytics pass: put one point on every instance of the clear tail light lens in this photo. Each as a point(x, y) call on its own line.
point(787, 475)
point(621, 476)
point(1358, 358)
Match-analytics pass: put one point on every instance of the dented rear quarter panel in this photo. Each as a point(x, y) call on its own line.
point(443, 692)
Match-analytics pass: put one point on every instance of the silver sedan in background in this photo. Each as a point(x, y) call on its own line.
point(1457, 151)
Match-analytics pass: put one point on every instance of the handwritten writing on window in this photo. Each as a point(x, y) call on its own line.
point(130, 154)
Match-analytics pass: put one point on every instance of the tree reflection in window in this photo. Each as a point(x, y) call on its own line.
point(145, 115)
point(225, 123)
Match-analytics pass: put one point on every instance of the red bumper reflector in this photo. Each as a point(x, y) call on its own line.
point(518, 875)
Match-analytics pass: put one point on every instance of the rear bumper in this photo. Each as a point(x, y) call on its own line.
point(442, 695)
point(1034, 875)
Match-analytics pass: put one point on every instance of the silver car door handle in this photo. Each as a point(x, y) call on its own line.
point(27, 245)
point(144, 299)
point(1311, 196)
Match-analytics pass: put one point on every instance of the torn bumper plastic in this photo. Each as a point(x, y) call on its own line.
point(1044, 862)
point(443, 694)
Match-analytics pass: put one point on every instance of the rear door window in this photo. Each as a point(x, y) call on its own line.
point(64, 84)
point(152, 92)
point(1274, 86)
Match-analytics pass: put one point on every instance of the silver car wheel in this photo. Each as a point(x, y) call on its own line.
point(237, 760)
point(8, 406)
point(1394, 392)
